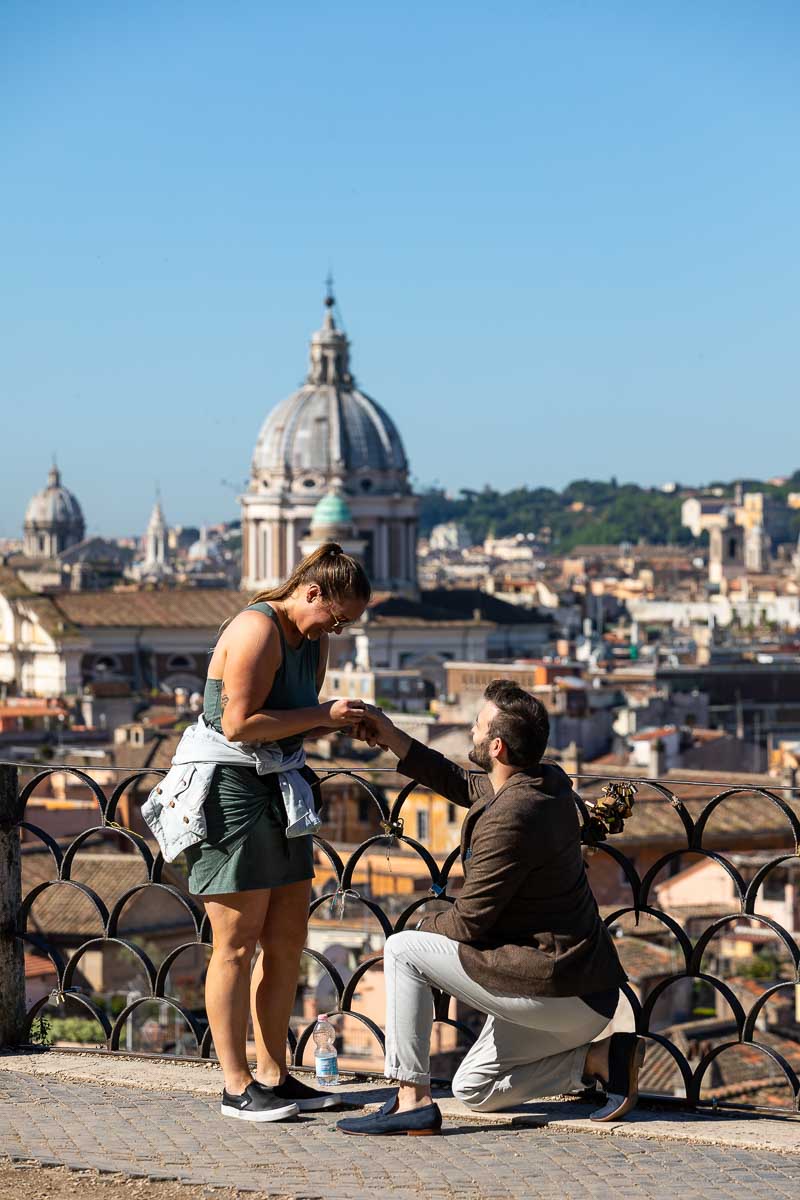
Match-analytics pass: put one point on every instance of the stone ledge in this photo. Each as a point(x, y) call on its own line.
point(742, 1131)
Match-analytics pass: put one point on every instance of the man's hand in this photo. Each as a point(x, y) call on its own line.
point(377, 729)
point(373, 731)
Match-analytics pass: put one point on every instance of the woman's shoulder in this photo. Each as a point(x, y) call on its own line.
point(262, 606)
point(253, 627)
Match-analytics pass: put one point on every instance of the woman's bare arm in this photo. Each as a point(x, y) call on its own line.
point(252, 657)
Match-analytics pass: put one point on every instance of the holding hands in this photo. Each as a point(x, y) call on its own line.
point(365, 723)
point(378, 729)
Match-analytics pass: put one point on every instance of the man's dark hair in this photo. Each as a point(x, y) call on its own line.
point(521, 722)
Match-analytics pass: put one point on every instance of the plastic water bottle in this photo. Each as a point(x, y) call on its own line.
point(325, 1059)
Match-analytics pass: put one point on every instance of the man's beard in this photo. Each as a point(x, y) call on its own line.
point(480, 755)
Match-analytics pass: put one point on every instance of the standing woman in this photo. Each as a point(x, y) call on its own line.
point(263, 686)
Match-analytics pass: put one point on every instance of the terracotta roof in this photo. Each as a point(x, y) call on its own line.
point(163, 720)
point(661, 1073)
point(107, 688)
point(37, 967)
point(746, 818)
point(643, 959)
point(41, 709)
point(192, 608)
point(609, 760)
point(742, 819)
point(63, 911)
point(157, 751)
point(707, 735)
point(162, 749)
point(452, 606)
point(651, 735)
point(744, 1068)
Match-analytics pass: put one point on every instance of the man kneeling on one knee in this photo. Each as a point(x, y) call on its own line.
point(523, 942)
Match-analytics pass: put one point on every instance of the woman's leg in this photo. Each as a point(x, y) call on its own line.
point(236, 919)
point(274, 982)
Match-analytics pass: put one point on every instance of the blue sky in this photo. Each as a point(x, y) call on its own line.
point(564, 236)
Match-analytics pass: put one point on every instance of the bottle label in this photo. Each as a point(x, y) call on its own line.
point(326, 1065)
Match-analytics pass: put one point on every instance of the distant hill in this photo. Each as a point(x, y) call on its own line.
point(586, 512)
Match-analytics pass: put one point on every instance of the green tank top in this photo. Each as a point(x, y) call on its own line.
point(294, 685)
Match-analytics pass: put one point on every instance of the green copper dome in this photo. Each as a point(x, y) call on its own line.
point(332, 510)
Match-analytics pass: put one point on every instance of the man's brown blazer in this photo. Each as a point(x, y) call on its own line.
point(526, 921)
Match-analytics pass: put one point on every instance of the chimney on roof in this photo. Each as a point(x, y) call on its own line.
point(572, 759)
point(656, 764)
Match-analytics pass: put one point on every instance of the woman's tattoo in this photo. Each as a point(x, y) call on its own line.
point(223, 700)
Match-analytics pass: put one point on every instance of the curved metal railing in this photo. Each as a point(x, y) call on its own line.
point(693, 1071)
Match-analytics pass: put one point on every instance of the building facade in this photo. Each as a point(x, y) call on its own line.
point(329, 437)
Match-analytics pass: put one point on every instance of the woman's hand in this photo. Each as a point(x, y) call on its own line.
point(343, 713)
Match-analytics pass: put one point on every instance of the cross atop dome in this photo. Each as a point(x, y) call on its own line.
point(329, 360)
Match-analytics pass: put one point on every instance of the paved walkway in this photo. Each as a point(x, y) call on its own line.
point(173, 1134)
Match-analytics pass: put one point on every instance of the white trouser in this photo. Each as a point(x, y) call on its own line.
point(530, 1046)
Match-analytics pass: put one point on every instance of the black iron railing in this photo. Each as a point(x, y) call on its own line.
point(686, 1053)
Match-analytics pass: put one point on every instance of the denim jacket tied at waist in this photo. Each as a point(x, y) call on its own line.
point(174, 809)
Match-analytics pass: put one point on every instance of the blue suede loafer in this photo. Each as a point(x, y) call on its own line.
point(419, 1122)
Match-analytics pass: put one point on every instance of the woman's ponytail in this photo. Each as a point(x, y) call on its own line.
point(337, 575)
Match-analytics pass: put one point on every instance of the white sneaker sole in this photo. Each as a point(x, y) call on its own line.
point(272, 1114)
point(318, 1105)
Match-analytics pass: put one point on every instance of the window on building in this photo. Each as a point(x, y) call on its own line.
point(364, 809)
point(423, 825)
point(774, 886)
point(452, 815)
point(181, 662)
point(103, 664)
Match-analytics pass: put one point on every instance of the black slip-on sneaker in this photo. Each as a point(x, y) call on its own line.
point(417, 1122)
point(625, 1058)
point(307, 1099)
point(257, 1103)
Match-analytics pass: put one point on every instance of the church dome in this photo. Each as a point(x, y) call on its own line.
point(329, 427)
point(53, 518)
point(333, 511)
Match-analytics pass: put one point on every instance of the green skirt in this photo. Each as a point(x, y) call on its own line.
point(246, 846)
